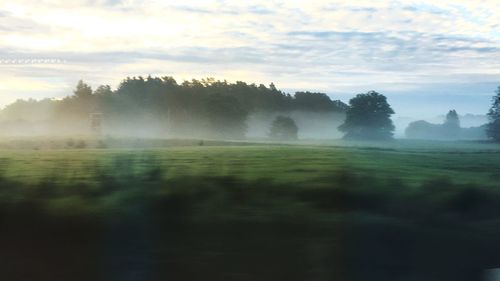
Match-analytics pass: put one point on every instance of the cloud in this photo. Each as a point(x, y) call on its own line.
point(225, 9)
point(11, 24)
point(334, 47)
point(425, 9)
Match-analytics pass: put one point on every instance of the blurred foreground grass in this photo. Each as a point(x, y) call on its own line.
point(397, 211)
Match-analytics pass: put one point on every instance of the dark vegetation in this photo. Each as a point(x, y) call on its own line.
point(161, 107)
point(368, 117)
point(145, 226)
point(493, 127)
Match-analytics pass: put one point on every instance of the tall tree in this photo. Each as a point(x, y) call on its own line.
point(82, 90)
point(452, 118)
point(368, 117)
point(451, 125)
point(493, 128)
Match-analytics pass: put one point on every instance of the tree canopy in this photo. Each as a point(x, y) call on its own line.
point(451, 125)
point(368, 117)
point(161, 105)
point(82, 90)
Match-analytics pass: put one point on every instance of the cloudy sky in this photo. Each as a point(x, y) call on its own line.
point(426, 56)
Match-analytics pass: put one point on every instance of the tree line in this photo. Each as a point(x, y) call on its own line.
point(450, 129)
point(207, 107)
point(219, 109)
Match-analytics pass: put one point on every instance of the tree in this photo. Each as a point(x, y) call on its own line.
point(451, 125)
point(368, 117)
point(493, 128)
point(317, 102)
point(452, 119)
point(284, 128)
point(82, 90)
point(226, 117)
point(103, 90)
point(162, 105)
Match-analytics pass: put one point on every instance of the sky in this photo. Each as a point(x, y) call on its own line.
point(426, 56)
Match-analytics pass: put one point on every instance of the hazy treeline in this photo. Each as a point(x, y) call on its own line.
point(450, 129)
point(160, 106)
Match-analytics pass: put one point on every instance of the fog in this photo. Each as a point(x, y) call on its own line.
point(159, 107)
point(311, 125)
point(467, 121)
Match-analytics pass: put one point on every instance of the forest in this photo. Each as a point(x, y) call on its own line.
point(161, 107)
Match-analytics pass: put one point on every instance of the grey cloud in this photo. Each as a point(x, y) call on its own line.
point(336, 7)
point(199, 10)
point(474, 49)
point(193, 9)
point(226, 9)
point(104, 2)
point(407, 42)
point(260, 10)
point(337, 34)
point(424, 8)
point(190, 55)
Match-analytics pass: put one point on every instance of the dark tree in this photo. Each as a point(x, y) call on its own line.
point(284, 128)
point(452, 119)
point(226, 117)
point(317, 102)
point(493, 128)
point(103, 90)
point(82, 90)
point(161, 105)
point(368, 117)
point(451, 126)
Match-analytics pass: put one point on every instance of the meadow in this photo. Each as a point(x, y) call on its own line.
point(412, 162)
point(122, 209)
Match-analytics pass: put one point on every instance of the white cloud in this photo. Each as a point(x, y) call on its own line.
point(323, 45)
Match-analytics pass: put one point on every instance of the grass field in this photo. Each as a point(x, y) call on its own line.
point(191, 210)
point(411, 162)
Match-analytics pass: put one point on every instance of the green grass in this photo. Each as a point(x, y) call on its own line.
point(260, 211)
point(411, 162)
